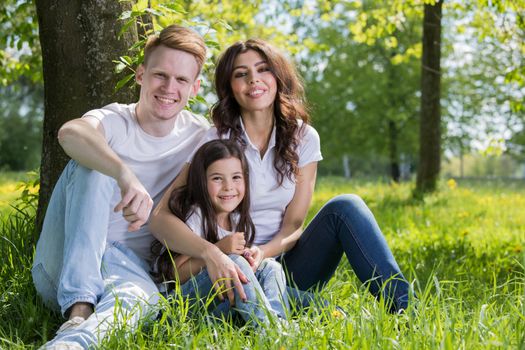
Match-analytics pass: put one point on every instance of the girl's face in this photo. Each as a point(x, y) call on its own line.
point(226, 184)
point(253, 84)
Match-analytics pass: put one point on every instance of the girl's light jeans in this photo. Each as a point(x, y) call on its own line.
point(265, 291)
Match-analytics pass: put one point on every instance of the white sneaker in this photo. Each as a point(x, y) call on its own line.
point(71, 324)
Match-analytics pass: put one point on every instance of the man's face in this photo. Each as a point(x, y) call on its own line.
point(166, 83)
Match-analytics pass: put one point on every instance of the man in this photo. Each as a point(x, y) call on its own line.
point(94, 248)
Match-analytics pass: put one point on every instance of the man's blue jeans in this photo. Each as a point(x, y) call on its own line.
point(346, 225)
point(72, 263)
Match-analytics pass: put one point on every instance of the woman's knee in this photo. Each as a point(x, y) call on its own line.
point(343, 202)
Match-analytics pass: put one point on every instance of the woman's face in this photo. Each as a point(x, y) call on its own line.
point(253, 84)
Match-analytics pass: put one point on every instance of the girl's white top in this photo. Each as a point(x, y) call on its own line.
point(194, 222)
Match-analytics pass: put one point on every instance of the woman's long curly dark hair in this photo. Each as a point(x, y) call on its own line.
point(289, 104)
point(194, 194)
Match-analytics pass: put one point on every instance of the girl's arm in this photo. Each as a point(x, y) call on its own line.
point(174, 234)
point(294, 215)
point(186, 266)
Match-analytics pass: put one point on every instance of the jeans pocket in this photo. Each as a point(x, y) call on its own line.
point(45, 286)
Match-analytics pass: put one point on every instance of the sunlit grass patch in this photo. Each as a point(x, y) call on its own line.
point(10, 189)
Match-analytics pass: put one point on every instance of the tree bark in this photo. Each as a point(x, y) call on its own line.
point(79, 41)
point(430, 126)
point(395, 172)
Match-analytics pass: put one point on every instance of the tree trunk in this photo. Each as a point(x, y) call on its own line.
point(392, 150)
point(79, 41)
point(430, 127)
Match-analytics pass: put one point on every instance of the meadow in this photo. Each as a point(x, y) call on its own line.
point(462, 248)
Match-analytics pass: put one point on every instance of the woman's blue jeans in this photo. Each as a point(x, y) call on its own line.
point(346, 225)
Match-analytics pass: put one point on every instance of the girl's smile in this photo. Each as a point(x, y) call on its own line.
point(226, 187)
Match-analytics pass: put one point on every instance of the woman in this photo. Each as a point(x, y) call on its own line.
point(261, 106)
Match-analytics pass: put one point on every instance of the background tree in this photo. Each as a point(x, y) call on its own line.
point(363, 86)
point(21, 87)
point(430, 122)
point(79, 42)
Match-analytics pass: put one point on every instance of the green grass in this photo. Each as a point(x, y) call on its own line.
point(9, 189)
point(463, 249)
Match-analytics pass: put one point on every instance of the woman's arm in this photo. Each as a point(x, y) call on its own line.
point(186, 266)
point(294, 215)
point(174, 234)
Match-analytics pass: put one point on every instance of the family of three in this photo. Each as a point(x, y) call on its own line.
point(116, 231)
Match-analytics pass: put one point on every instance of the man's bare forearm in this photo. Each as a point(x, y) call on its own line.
point(86, 144)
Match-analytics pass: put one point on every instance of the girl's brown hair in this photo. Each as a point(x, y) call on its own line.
point(289, 104)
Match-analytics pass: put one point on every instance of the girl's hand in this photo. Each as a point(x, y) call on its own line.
point(232, 244)
point(247, 254)
point(256, 255)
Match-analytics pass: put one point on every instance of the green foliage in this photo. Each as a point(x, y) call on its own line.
point(220, 22)
point(462, 248)
point(21, 87)
point(21, 116)
point(481, 48)
point(19, 45)
point(364, 82)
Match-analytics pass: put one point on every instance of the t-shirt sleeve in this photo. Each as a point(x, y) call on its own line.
point(309, 147)
point(112, 119)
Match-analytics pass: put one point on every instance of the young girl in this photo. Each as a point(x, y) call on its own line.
point(215, 205)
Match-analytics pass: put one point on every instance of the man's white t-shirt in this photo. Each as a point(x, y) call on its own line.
point(156, 161)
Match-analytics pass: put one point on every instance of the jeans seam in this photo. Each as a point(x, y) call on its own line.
point(40, 266)
point(375, 268)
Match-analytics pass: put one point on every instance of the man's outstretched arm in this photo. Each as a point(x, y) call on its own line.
point(84, 141)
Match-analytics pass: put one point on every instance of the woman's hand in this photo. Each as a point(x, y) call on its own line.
point(224, 274)
point(232, 244)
